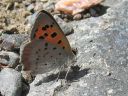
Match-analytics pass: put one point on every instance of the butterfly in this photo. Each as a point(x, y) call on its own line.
point(48, 47)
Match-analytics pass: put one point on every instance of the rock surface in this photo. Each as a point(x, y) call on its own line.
point(102, 47)
point(13, 41)
point(10, 82)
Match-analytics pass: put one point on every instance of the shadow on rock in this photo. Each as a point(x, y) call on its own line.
point(101, 9)
point(25, 87)
point(97, 10)
point(72, 76)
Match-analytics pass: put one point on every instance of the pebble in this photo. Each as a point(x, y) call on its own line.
point(10, 82)
point(49, 6)
point(10, 6)
point(38, 6)
point(75, 6)
point(9, 59)
point(31, 8)
point(77, 17)
point(44, 0)
point(66, 28)
point(87, 15)
point(11, 41)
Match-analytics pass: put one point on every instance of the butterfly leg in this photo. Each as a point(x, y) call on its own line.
point(61, 68)
point(58, 76)
point(67, 73)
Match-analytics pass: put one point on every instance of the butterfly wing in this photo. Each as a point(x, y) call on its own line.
point(48, 49)
point(46, 27)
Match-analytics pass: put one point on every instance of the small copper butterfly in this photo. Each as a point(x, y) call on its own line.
point(48, 48)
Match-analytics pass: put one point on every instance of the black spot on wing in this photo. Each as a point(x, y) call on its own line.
point(44, 28)
point(51, 25)
point(45, 34)
point(54, 34)
point(59, 53)
point(46, 44)
point(59, 41)
point(63, 47)
point(41, 37)
point(54, 48)
point(45, 48)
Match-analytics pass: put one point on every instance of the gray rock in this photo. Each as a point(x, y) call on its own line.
point(31, 18)
point(10, 82)
point(10, 6)
point(38, 6)
point(67, 28)
point(102, 44)
point(49, 6)
point(9, 59)
point(93, 12)
point(30, 7)
point(9, 42)
point(43, 90)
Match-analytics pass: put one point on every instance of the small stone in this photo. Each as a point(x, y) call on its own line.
point(26, 3)
point(16, 5)
point(10, 42)
point(38, 6)
point(7, 45)
point(77, 17)
point(26, 13)
point(1, 26)
point(11, 29)
point(31, 8)
point(10, 82)
point(87, 15)
point(9, 59)
point(67, 29)
point(44, 0)
point(30, 19)
point(75, 6)
point(10, 6)
point(49, 6)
